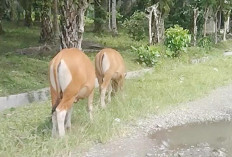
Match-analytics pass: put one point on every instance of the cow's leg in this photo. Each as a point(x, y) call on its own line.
point(105, 84)
point(55, 102)
point(100, 81)
point(54, 124)
point(67, 124)
point(60, 120)
point(61, 110)
point(90, 105)
point(109, 91)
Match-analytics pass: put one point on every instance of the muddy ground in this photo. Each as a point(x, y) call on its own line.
point(199, 128)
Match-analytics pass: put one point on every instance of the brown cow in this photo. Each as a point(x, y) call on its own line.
point(72, 77)
point(110, 72)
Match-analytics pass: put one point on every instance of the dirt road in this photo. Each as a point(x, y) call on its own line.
point(199, 128)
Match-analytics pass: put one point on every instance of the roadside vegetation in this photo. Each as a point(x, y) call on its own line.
point(26, 131)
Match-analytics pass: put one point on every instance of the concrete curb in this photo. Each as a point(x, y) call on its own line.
point(21, 99)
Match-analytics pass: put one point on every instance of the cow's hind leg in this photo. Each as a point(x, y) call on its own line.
point(67, 123)
point(54, 124)
point(104, 86)
point(90, 105)
point(61, 111)
point(109, 91)
point(55, 103)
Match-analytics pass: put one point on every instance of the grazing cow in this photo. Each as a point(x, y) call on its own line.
point(110, 72)
point(72, 77)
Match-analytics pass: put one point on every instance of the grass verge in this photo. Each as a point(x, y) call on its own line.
point(23, 73)
point(26, 131)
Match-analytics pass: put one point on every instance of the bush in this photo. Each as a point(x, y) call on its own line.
point(147, 55)
point(205, 43)
point(136, 25)
point(176, 40)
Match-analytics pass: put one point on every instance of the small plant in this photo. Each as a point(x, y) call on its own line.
point(205, 43)
point(136, 25)
point(177, 39)
point(147, 55)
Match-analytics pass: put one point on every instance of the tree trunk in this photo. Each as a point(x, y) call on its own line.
point(100, 8)
point(109, 24)
point(68, 24)
point(155, 22)
point(196, 14)
point(114, 20)
point(224, 32)
point(161, 30)
point(82, 6)
point(13, 14)
point(155, 28)
point(37, 17)
point(28, 20)
point(206, 14)
point(1, 29)
point(219, 21)
point(1, 14)
point(216, 30)
point(19, 10)
point(72, 23)
point(46, 34)
point(56, 30)
point(37, 6)
point(150, 25)
point(226, 23)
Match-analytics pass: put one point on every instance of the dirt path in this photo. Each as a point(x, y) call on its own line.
point(161, 135)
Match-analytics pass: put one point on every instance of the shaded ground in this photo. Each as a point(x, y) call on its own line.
point(160, 135)
point(87, 46)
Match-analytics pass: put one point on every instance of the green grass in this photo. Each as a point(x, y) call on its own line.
point(26, 131)
point(120, 42)
point(17, 37)
point(22, 73)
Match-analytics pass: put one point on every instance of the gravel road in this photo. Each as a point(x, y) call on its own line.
point(215, 107)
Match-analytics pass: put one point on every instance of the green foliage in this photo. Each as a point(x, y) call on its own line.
point(136, 26)
point(147, 55)
point(181, 13)
point(205, 43)
point(177, 39)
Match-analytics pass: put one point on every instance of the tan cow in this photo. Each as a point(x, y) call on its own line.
point(110, 72)
point(72, 77)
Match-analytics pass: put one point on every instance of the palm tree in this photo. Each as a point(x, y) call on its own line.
point(72, 22)
point(46, 34)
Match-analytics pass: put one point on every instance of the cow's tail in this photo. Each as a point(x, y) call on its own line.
point(98, 64)
point(59, 93)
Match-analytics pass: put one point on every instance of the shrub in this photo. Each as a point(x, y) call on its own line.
point(147, 55)
point(136, 25)
point(205, 43)
point(176, 40)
